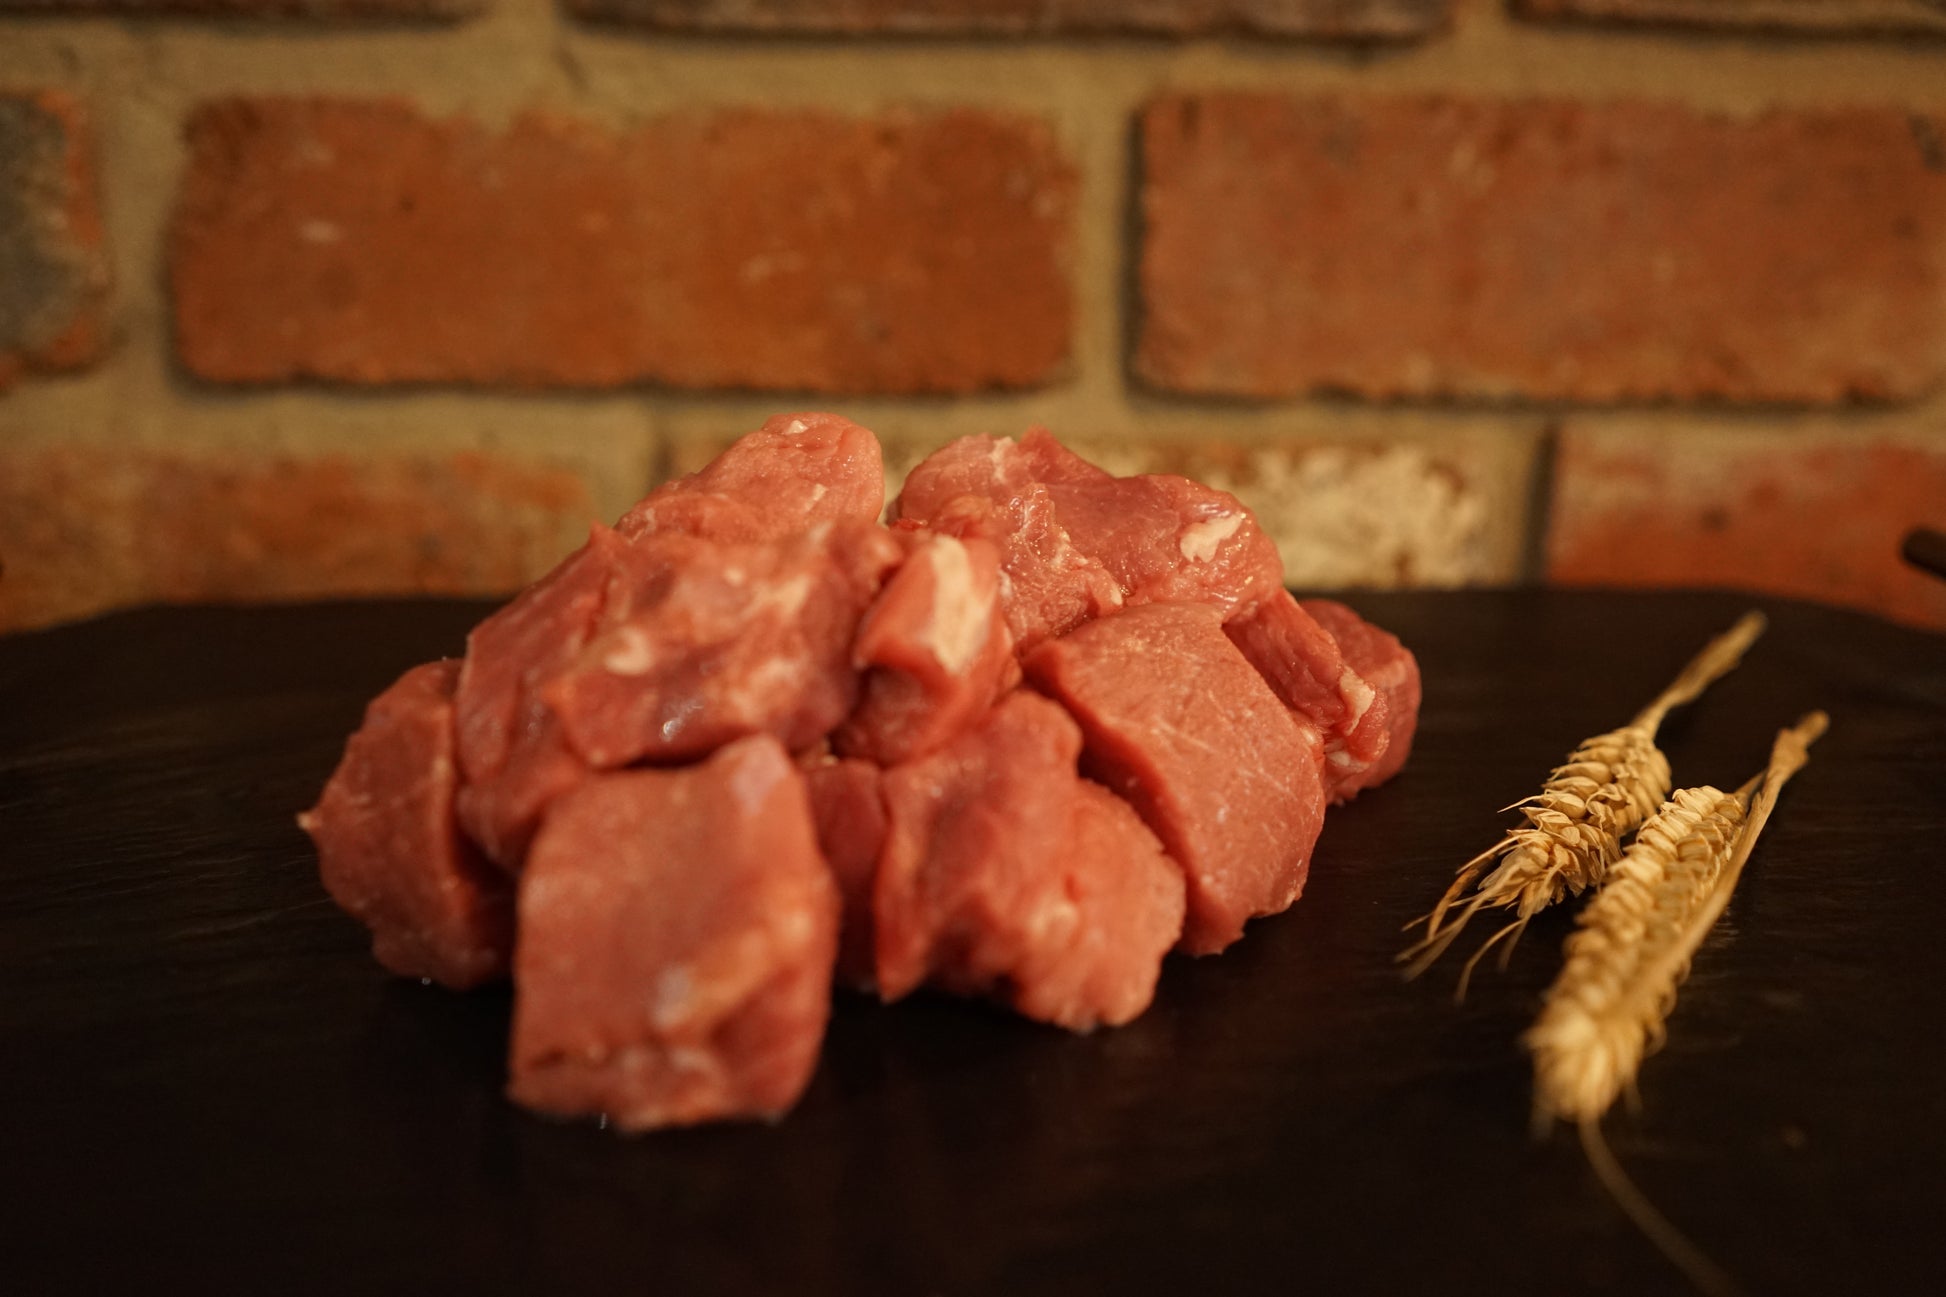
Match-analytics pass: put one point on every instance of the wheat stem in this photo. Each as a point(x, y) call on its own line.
point(1576, 823)
point(1707, 1277)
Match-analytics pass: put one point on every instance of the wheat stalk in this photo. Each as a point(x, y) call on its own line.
point(1576, 824)
point(1631, 950)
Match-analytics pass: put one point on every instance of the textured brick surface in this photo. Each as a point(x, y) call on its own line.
point(53, 270)
point(1817, 515)
point(363, 242)
point(1545, 249)
point(87, 528)
point(1354, 19)
point(319, 9)
point(1835, 16)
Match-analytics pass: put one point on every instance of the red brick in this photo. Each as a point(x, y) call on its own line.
point(364, 243)
point(1347, 19)
point(1817, 515)
point(1867, 17)
point(83, 529)
point(1542, 249)
point(53, 270)
point(327, 10)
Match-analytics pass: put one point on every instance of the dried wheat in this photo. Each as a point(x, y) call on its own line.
point(1576, 824)
point(1630, 951)
point(1633, 943)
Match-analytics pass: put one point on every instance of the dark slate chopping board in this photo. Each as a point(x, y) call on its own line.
point(206, 1085)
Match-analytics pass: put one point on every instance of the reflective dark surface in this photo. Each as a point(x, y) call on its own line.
point(206, 1085)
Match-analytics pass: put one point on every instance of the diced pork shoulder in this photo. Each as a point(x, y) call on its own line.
point(1392, 672)
point(789, 476)
point(935, 651)
point(677, 933)
point(1004, 874)
point(751, 741)
point(1302, 663)
point(390, 852)
point(1180, 725)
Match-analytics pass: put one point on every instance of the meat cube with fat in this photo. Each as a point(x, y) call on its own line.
point(390, 852)
point(1048, 587)
point(1002, 876)
point(1158, 537)
point(982, 488)
point(663, 649)
point(1164, 538)
point(677, 932)
point(935, 651)
point(1187, 731)
point(795, 472)
point(1304, 666)
point(1390, 669)
point(732, 640)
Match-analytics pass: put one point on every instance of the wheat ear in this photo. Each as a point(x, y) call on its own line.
point(1575, 825)
point(1633, 943)
point(1630, 952)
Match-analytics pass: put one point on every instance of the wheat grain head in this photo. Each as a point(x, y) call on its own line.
point(1576, 824)
point(1632, 945)
point(1632, 949)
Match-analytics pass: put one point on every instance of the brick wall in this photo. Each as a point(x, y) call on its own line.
point(304, 297)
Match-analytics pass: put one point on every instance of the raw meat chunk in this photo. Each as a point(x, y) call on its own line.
point(995, 879)
point(1302, 663)
point(967, 873)
point(985, 488)
point(1048, 587)
point(667, 647)
point(935, 651)
point(1391, 669)
point(389, 851)
point(795, 472)
point(677, 931)
point(991, 468)
point(515, 649)
point(732, 640)
point(851, 832)
point(501, 812)
point(1128, 911)
point(1164, 538)
point(1159, 538)
point(1185, 729)
point(739, 640)
point(513, 755)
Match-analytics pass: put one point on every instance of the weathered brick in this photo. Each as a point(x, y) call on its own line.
point(1334, 19)
point(53, 270)
point(772, 250)
point(85, 528)
point(1815, 513)
point(1833, 16)
point(1540, 249)
point(327, 10)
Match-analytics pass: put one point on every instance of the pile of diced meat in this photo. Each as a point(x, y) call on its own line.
point(1040, 729)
